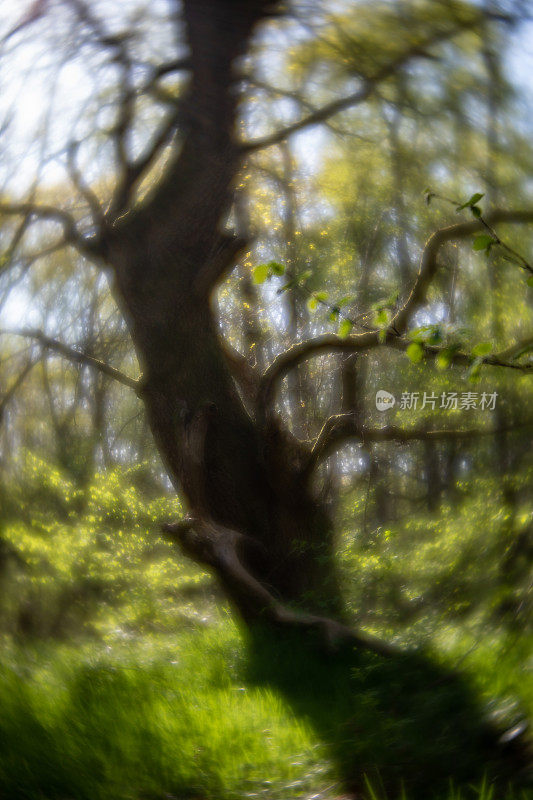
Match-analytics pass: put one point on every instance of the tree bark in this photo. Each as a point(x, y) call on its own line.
point(242, 480)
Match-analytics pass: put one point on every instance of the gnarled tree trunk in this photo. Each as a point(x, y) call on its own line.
point(255, 521)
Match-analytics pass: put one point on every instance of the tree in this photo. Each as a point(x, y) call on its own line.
point(163, 235)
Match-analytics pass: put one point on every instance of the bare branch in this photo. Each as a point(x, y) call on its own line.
point(85, 191)
point(77, 356)
point(177, 65)
point(132, 172)
point(15, 386)
point(89, 247)
point(324, 113)
point(327, 343)
point(37, 10)
point(340, 428)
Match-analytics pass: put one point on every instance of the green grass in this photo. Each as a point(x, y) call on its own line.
point(206, 717)
point(150, 723)
point(122, 677)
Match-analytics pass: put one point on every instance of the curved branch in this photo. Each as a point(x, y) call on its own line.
point(428, 261)
point(327, 343)
point(398, 325)
point(46, 213)
point(77, 356)
point(216, 546)
point(340, 428)
point(324, 113)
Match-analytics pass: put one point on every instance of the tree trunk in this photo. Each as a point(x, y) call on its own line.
point(254, 520)
point(231, 473)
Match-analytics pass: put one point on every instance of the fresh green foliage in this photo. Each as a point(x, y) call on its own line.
point(415, 352)
point(167, 698)
point(483, 242)
point(262, 272)
point(92, 558)
point(472, 202)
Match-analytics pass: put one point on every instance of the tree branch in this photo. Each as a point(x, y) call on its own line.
point(77, 356)
point(85, 191)
point(340, 428)
point(398, 325)
point(247, 378)
point(428, 261)
point(15, 386)
point(45, 213)
point(324, 113)
point(327, 343)
point(217, 547)
point(460, 358)
point(132, 172)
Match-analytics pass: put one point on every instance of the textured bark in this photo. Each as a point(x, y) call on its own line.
point(242, 480)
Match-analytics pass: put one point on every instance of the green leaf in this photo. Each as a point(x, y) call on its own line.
point(335, 310)
point(315, 299)
point(476, 211)
point(430, 334)
point(260, 273)
point(415, 352)
point(276, 268)
point(482, 349)
point(530, 280)
point(382, 336)
point(483, 242)
point(474, 372)
point(345, 300)
point(345, 328)
point(471, 201)
point(381, 318)
point(444, 359)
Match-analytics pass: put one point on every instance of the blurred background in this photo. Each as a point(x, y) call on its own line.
point(124, 673)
